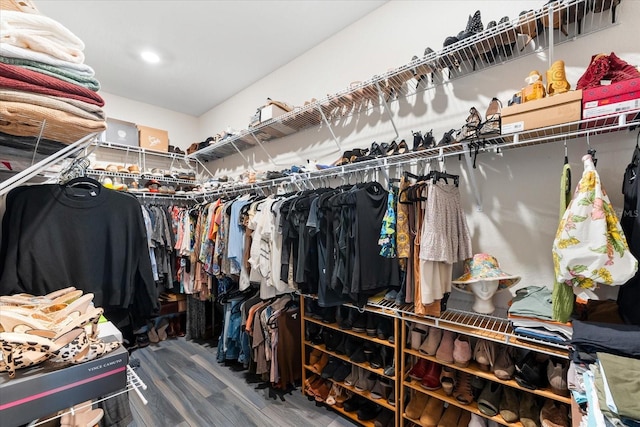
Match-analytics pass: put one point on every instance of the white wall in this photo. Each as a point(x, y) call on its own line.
point(182, 128)
point(519, 190)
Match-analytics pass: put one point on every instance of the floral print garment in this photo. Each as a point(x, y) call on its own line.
point(387, 240)
point(590, 247)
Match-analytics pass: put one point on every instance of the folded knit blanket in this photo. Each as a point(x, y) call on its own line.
point(90, 83)
point(18, 118)
point(11, 51)
point(41, 34)
point(53, 102)
point(13, 77)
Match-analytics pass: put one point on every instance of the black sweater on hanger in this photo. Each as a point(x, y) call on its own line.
point(56, 236)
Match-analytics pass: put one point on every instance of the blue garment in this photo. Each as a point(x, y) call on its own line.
point(235, 249)
point(232, 338)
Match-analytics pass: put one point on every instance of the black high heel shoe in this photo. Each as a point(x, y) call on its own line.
point(392, 149)
point(402, 147)
point(447, 138)
point(417, 140)
point(428, 141)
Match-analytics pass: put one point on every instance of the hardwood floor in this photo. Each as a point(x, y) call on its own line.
point(186, 386)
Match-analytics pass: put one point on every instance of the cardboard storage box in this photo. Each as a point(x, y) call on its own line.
point(610, 99)
point(269, 112)
point(550, 111)
point(153, 139)
point(121, 132)
point(45, 389)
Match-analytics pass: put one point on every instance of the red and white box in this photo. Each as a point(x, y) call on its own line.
point(611, 99)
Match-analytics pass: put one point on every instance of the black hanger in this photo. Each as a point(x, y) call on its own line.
point(83, 181)
point(437, 176)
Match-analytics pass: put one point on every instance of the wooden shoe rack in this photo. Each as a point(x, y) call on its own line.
point(491, 329)
point(308, 370)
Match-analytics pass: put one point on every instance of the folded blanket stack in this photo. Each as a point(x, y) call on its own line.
point(46, 89)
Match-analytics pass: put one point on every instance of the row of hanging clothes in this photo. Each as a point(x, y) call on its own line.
point(344, 244)
point(262, 336)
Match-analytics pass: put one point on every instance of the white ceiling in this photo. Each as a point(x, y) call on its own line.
point(211, 50)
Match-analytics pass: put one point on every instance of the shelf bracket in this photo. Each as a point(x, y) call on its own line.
point(472, 176)
point(387, 109)
point(333, 135)
point(261, 145)
point(240, 152)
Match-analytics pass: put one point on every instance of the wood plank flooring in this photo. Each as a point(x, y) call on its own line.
point(187, 387)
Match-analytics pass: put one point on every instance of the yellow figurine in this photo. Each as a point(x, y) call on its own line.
point(557, 79)
point(535, 87)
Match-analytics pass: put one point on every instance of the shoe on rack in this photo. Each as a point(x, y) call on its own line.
point(450, 417)
point(508, 39)
point(418, 142)
point(477, 385)
point(318, 367)
point(329, 315)
point(330, 368)
point(378, 391)
point(376, 359)
point(432, 412)
point(417, 335)
point(340, 348)
point(445, 349)
point(314, 356)
point(87, 418)
point(557, 376)
point(531, 371)
point(471, 128)
point(385, 328)
point(351, 344)
point(432, 343)
point(431, 378)
point(342, 371)
point(418, 370)
point(465, 419)
point(529, 410)
point(346, 318)
point(384, 419)
point(366, 380)
point(351, 379)
point(416, 405)
point(353, 403)
point(504, 366)
point(492, 124)
point(360, 322)
point(484, 354)
point(509, 405)
point(489, 400)
point(372, 324)
point(462, 391)
point(462, 351)
point(448, 379)
point(359, 355)
point(447, 138)
point(554, 414)
point(391, 400)
point(368, 411)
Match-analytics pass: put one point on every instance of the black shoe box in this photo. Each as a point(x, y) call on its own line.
point(47, 388)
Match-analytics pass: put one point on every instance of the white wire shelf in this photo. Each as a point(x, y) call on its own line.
point(490, 327)
point(141, 177)
point(494, 46)
point(551, 134)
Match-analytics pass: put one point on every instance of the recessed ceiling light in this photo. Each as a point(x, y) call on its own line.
point(150, 57)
